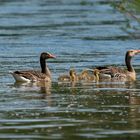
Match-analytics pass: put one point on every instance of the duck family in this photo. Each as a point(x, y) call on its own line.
point(97, 74)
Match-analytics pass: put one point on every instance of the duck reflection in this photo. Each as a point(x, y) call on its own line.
point(134, 100)
point(42, 87)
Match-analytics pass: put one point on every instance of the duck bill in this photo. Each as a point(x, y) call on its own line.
point(137, 51)
point(52, 56)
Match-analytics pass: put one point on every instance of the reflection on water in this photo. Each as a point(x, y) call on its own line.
point(82, 34)
point(45, 87)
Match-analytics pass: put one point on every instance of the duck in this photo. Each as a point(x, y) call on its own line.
point(117, 73)
point(85, 75)
point(71, 77)
point(33, 75)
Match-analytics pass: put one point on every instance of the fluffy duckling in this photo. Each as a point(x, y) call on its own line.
point(96, 74)
point(64, 78)
point(73, 75)
point(88, 77)
point(69, 78)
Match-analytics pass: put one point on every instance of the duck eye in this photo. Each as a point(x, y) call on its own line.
point(130, 51)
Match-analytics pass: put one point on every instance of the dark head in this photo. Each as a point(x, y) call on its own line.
point(43, 57)
point(46, 55)
point(131, 53)
point(72, 72)
point(128, 56)
point(96, 72)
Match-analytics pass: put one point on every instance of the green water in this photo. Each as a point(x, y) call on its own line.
point(82, 34)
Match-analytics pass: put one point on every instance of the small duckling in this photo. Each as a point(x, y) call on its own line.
point(88, 77)
point(73, 75)
point(96, 75)
point(68, 78)
point(84, 75)
point(64, 78)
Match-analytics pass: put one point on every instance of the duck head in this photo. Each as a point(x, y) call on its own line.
point(46, 55)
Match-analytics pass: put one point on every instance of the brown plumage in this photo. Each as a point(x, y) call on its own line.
point(31, 75)
point(119, 74)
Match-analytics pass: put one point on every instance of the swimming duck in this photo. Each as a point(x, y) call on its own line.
point(32, 75)
point(69, 78)
point(116, 73)
point(85, 75)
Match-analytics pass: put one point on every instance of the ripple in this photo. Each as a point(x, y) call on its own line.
point(82, 34)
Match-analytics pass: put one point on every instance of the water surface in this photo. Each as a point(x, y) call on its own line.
point(82, 34)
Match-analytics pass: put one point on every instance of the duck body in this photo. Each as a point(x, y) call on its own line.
point(64, 78)
point(118, 74)
point(32, 75)
point(112, 74)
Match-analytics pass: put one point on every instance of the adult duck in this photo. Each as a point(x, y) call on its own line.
point(119, 74)
point(33, 76)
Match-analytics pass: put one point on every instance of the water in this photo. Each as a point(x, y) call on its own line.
point(82, 34)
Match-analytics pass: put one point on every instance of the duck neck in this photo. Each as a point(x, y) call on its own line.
point(97, 77)
point(128, 63)
point(73, 77)
point(44, 68)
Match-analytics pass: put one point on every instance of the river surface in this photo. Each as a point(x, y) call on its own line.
point(82, 34)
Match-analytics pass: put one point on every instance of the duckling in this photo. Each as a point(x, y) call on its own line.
point(69, 78)
point(88, 77)
point(96, 75)
point(84, 75)
point(73, 75)
point(64, 78)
